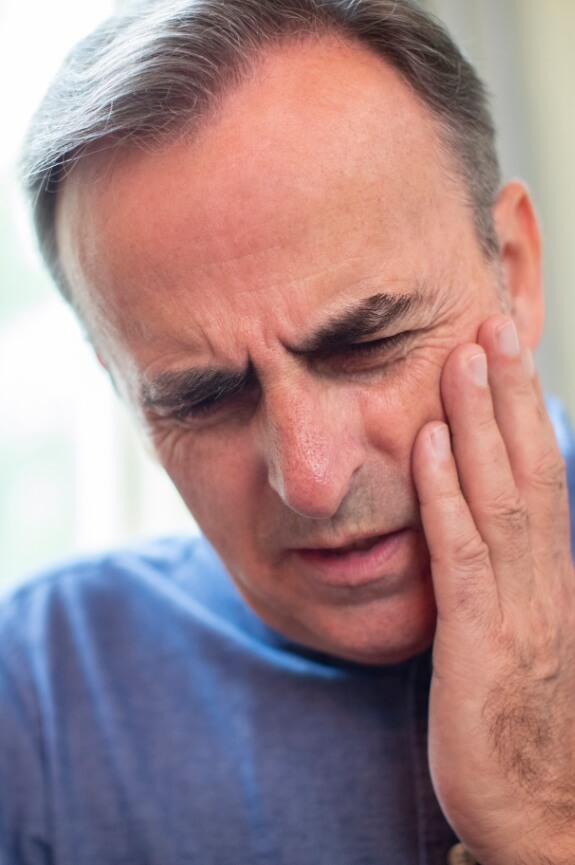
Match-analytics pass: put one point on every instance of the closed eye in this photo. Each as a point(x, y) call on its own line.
point(358, 357)
point(222, 400)
point(354, 357)
point(189, 396)
point(385, 343)
point(184, 395)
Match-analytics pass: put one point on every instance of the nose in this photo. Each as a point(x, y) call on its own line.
point(313, 448)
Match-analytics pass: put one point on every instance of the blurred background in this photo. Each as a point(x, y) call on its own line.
point(73, 474)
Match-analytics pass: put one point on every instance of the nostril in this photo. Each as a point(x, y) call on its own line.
point(310, 452)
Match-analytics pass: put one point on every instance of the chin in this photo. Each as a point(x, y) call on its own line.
point(382, 632)
point(378, 649)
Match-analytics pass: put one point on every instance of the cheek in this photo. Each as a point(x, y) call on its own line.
point(395, 411)
point(217, 479)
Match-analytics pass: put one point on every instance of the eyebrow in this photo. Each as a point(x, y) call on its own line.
point(371, 315)
point(180, 390)
point(175, 390)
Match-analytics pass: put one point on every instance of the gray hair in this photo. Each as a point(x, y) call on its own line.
point(161, 67)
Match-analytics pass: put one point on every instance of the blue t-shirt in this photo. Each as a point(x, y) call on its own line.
point(148, 716)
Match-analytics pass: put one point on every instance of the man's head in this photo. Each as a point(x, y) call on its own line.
point(275, 294)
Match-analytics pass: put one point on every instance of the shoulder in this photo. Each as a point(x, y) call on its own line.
point(101, 588)
point(84, 648)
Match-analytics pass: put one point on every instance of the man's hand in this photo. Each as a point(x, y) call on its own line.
point(495, 514)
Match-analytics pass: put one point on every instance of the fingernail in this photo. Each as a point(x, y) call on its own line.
point(507, 339)
point(477, 366)
point(441, 441)
point(528, 362)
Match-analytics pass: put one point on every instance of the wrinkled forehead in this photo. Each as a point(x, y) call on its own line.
point(317, 131)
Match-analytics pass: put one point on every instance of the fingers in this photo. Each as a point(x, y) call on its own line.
point(518, 405)
point(534, 493)
point(519, 409)
point(484, 468)
point(495, 507)
point(460, 559)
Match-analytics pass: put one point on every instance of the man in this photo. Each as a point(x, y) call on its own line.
point(282, 226)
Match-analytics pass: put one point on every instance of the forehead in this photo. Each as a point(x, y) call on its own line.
point(321, 156)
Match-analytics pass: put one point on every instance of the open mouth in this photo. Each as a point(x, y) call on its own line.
point(359, 546)
point(366, 560)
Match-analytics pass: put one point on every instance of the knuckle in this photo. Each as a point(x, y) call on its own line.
point(550, 474)
point(469, 558)
point(472, 555)
point(511, 519)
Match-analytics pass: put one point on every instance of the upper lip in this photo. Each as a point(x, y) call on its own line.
point(345, 543)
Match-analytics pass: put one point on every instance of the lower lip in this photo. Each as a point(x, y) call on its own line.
point(359, 567)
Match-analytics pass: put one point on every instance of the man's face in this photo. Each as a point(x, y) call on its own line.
point(277, 299)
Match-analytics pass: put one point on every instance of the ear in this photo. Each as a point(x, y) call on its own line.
point(520, 251)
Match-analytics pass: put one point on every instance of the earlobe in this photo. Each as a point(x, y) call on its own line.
point(520, 254)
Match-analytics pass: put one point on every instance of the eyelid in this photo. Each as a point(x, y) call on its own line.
point(387, 339)
point(209, 405)
point(384, 341)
